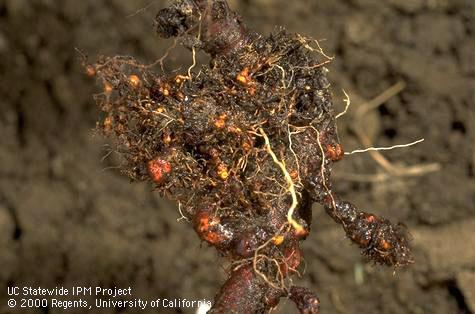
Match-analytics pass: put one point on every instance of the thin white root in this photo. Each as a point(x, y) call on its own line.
point(305, 42)
point(383, 148)
point(391, 170)
point(193, 50)
point(181, 214)
point(291, 188)
point(348, 103)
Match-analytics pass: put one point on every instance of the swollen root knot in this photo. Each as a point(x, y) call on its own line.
point(380, 240)
point(305, 300)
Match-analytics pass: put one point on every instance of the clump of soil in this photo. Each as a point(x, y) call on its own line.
point(245, 146)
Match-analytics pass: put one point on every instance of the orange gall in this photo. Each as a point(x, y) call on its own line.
point(158, 168)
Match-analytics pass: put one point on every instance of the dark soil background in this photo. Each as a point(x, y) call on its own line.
point(67, 217)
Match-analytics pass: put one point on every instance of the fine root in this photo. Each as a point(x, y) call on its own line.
point(291, 188)
point(347, 102)
point(390, 170)
point(356, 151)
